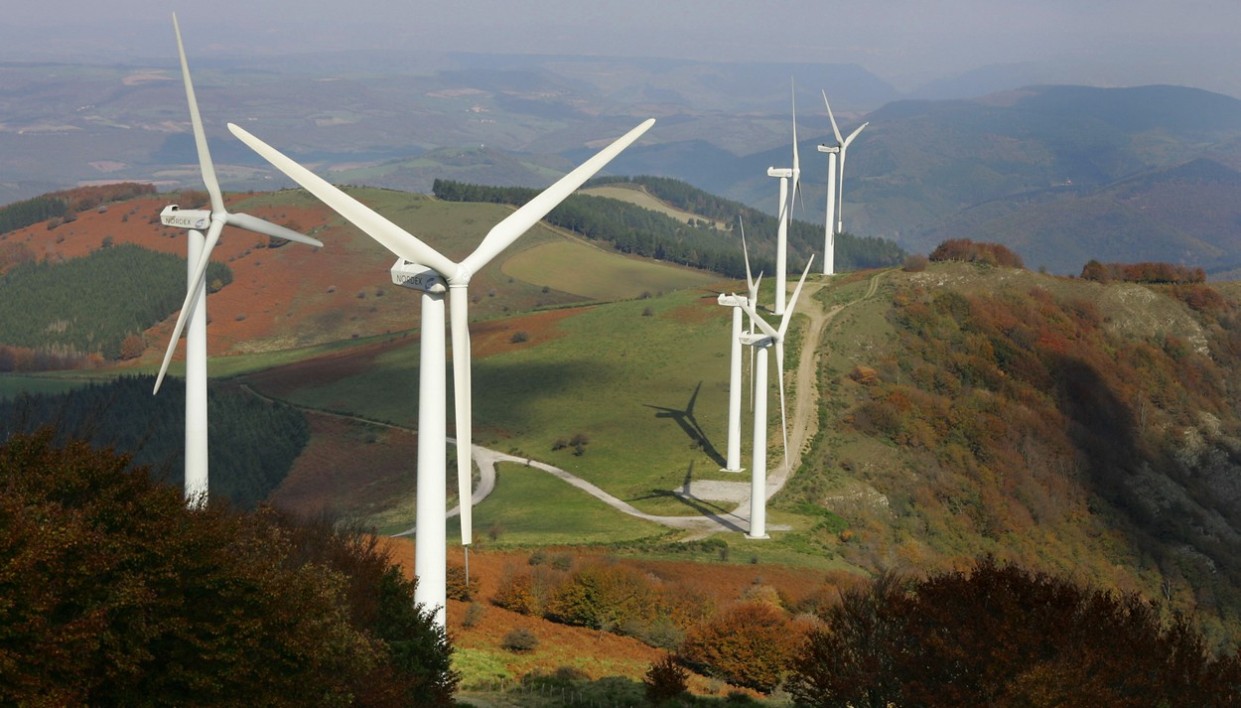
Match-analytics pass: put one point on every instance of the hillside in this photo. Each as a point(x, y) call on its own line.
point(272, 297)
point(1085, 429)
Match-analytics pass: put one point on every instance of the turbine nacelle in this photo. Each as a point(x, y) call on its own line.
point(733, 300)
point(829, 148)
point(172, 215)
point(757, 339)
point(415, 276)
point(784, 172)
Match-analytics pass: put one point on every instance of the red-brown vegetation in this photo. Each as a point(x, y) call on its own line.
point(963, 249)
point(1147, 272)
point(1001, 635)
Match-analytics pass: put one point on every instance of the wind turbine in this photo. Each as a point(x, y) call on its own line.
point(420, 267)
point(735, 301)
point(194, 308)
point(785, 213)
point(763, 341)
point(835, 189)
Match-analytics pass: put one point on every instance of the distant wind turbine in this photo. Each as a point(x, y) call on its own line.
point(785, 214)
point(194, 308)
point(764, 341)
point(835, 189)
point(421, 267)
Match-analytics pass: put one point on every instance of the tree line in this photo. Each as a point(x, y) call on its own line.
point(629, 228)
point(252, 444)
point(91, 304)
point(19, 215)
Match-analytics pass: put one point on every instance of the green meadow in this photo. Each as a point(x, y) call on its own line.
point(620, 374)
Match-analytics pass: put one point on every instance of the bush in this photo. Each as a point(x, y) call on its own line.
point(915, 263)
point(458, 586)
point(520, 641)
point(665, 680)
point(886, 645)
point(747, 645)
point(519, 336)
point(473, 615)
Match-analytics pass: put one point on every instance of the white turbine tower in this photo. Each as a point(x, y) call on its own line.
point(785, 214)
point(194, 309)
point(767, 338)
point(835, 189)
point(421, 267)
point(738, 302)
point(829, 224)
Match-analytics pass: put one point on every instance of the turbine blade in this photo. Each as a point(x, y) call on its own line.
point(835, 129)
point(745, 252)
point(391, 236)
point(784, 427)
point(514, 225)
point(788, 313)
point(460, 326)
point(840, 184)
point(263, 226)
point(200, 137)
point(762, 324)
point(191, 298)
point(853, 135)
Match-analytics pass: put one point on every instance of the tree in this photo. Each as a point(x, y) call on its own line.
point(749, 645)
point(665, 680)
point(114, 593)
point(1003, 636)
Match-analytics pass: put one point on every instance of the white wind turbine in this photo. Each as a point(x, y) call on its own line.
point(835, 189)
point(737, 302)
point(421, 267)
point(194, 308)
point(785, 214)
point(768, 337)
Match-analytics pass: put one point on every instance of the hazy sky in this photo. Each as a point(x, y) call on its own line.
point(1192, 42)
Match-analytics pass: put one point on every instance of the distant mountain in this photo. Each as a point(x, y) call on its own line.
point(1048, 167)
point(1189, 214)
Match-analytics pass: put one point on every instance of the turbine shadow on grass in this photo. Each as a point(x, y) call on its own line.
point(716, 513)
point(689, 424)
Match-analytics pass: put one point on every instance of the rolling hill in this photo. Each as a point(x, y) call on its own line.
point(1083, 428)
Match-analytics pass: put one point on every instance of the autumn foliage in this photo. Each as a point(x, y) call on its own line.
point(115, 594)
point(999, 635)
point(963, 249)
point(1148, 272)
point(749, 645)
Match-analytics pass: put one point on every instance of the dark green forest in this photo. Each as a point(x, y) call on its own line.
point(633, 229)
point(131, 289)
point(252, 442)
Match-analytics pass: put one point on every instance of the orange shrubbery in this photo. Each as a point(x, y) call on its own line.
point(1147, 272)
point(963, 249)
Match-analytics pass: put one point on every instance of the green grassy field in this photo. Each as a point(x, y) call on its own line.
point(616, 375)
point(582, 269)
point(636, 195)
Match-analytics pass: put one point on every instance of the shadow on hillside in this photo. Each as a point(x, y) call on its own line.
point(1163, 502)
point(689, 425)
point(712, 511)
